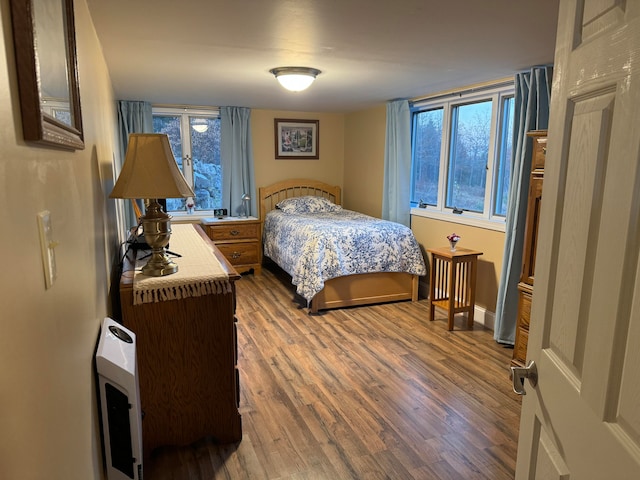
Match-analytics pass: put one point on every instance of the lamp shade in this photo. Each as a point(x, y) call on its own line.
point(150, 170)
point(295, 79)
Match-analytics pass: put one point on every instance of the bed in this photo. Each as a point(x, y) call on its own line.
point(318, 273)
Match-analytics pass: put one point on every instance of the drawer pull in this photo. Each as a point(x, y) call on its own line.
point(234, 232)
point(236, 255)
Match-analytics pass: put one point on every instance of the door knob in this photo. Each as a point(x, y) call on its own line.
point(518, 374)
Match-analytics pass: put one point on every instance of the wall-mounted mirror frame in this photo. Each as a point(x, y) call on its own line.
point(39, 123)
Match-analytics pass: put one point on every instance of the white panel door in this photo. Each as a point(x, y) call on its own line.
point(582, 420)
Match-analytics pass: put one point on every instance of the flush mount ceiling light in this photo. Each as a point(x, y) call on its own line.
point(295, 79)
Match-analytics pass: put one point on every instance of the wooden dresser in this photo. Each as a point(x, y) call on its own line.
point(525, 287)
point(187, 356)
point(239, 239)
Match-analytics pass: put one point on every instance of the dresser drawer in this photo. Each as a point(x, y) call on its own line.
point(237, 231)
point(524, 310)
point(240, 253)
point(239, 240)
point(520, 348)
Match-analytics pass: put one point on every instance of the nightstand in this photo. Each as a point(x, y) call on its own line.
point(239, 239)
point(453, 282)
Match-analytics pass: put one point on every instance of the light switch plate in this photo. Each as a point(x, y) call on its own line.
point(46, 248)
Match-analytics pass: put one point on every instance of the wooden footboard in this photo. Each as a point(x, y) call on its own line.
point(366, 289)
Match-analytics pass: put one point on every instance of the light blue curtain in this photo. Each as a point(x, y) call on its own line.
point(236, 152)
point(531, 112)
point(133, 117)
point(396, 195)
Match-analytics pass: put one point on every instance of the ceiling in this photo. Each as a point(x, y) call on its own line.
point(219, 52)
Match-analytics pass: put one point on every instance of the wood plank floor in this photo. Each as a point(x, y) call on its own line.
point(362, 393)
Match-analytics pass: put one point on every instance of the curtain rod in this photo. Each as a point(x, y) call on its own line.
point(480, 87)
point(185, 107)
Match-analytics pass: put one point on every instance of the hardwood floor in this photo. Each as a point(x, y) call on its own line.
point(362, 393)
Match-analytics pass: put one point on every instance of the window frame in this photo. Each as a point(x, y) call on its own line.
point(187, 164)
point(497, 93)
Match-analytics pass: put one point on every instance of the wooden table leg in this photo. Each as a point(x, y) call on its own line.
point(472, 292)
point(432, 288)
point(452, 293)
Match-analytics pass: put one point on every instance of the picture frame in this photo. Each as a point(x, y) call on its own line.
point(47, 69)
point(297, 139)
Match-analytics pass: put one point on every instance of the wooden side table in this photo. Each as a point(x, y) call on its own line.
point(453, 282)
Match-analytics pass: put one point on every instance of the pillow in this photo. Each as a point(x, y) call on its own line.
point(307, 204)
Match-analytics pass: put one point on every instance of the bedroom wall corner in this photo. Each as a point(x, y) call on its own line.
point(364, 160)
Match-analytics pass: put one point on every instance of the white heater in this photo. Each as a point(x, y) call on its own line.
point(120, 401)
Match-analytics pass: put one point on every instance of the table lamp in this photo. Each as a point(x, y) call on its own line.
point(150, 172)
point(245, 204)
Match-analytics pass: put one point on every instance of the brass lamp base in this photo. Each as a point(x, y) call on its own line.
point(157, 232)
point(159, 265)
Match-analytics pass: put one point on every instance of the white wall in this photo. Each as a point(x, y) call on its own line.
point(48, 414)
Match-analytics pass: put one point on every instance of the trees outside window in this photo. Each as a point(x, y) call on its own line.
point(194, 136)
point(461, 151)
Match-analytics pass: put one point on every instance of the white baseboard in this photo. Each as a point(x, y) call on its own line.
point(484, 317)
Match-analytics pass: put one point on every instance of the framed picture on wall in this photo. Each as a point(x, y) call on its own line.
point(297, 139)
point(46, 61)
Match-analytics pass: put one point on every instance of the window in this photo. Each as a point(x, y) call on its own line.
point(194, 136)
point(58, 109)
point(461, 149)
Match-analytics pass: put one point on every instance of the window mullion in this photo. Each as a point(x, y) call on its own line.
point(187, 157)
point(445, 149)
point(492, 156)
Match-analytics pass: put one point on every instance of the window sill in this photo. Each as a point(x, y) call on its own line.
point(184, 217)
point(464, 219)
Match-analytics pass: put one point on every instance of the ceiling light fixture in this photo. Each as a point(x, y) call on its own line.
point(295, 79)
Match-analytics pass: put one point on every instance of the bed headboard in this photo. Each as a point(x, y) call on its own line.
point(269, 196)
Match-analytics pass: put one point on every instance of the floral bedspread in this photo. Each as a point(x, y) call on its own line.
point(316, 247)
